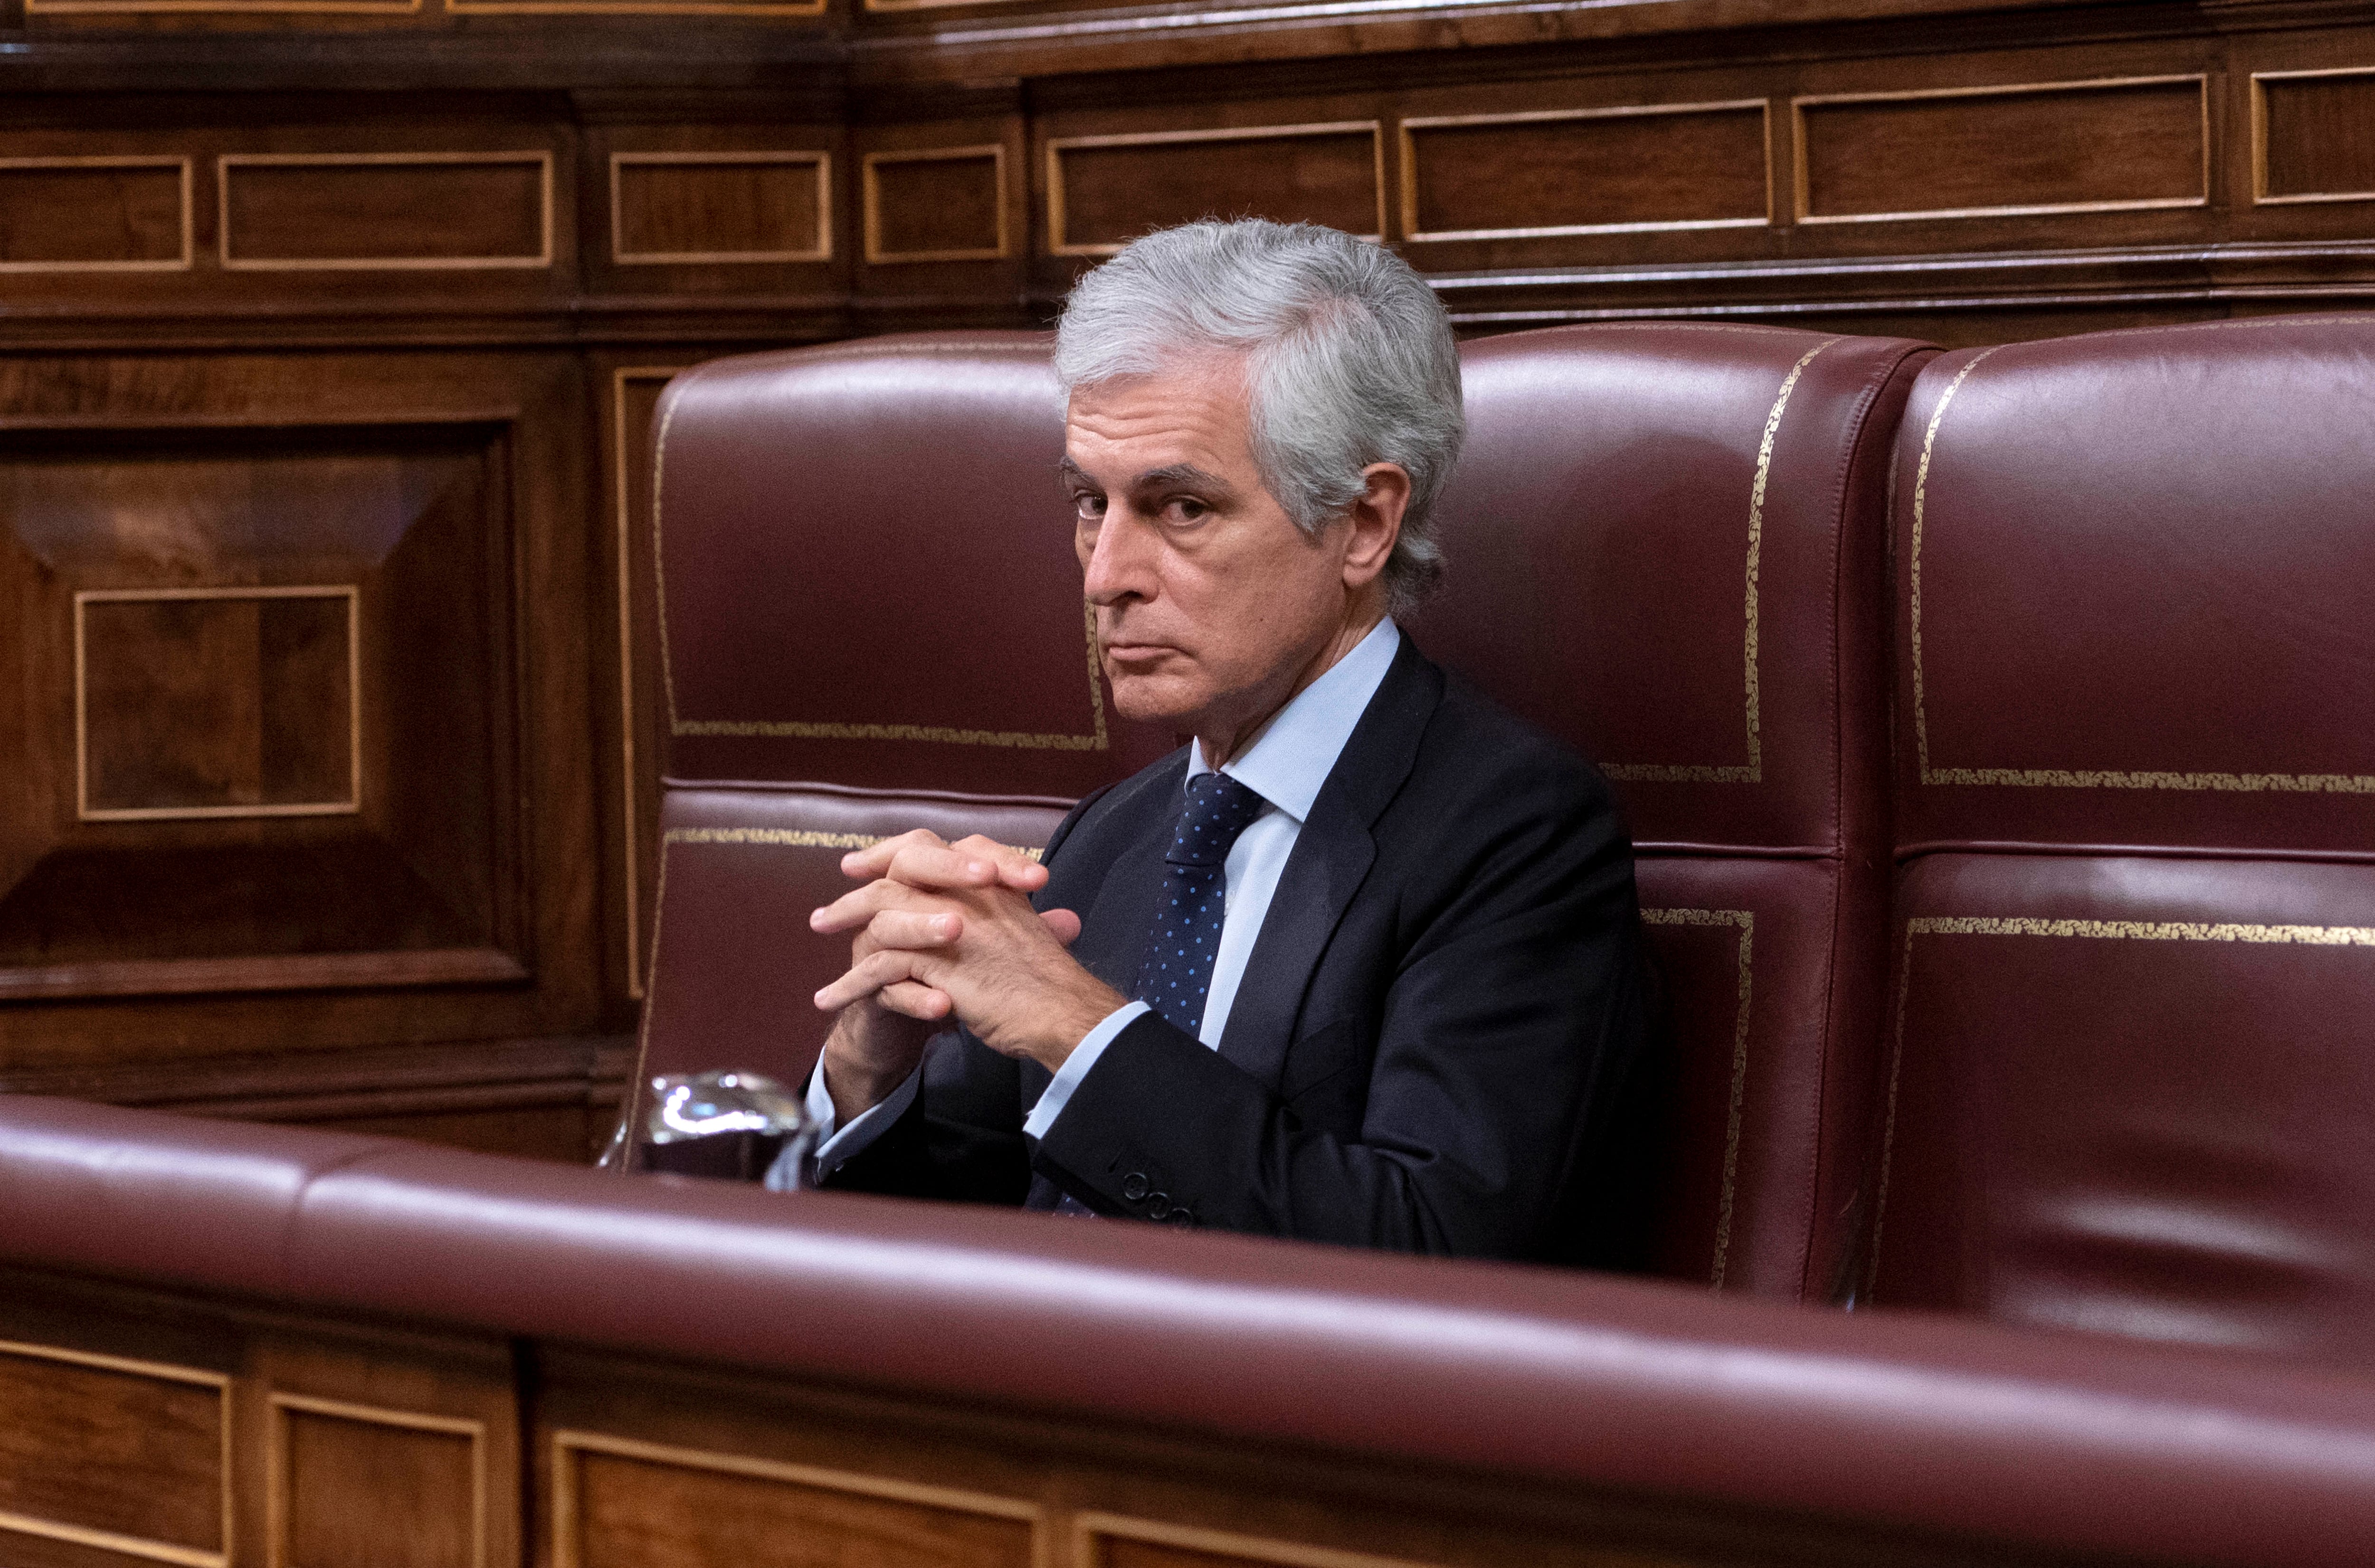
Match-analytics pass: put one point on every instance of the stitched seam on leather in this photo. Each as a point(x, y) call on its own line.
point(291, 1238)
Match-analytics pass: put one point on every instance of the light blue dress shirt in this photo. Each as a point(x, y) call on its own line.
point(1286, 765)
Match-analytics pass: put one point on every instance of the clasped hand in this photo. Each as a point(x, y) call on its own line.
point(940, 930)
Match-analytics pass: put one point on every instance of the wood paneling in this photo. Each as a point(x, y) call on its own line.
point(2314, 135)
point(361, 1486)
point(121, 1456)
point(623, 1504)
point(1965, 152)
point(1103, 191)
point(96, 214)
point(937, 205)
point(717, 207)
point(295, 212)
point(1549, 172)
point(1106, 1541)
point(634, 395)
point(216, 702)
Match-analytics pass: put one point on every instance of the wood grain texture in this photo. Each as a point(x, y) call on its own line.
point(2067, 147)
point(1104, 190)
point(1553, 172)
point(95, 214)
point(714, 209)
point(357, 1486)
point(936, 205)
point(2313, 136)
point(96, 1448)
point(337, 211)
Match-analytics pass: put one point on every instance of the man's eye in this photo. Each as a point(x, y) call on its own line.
point(1186, 509)
point(1091, 508)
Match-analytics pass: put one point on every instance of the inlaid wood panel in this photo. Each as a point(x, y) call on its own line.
point(96, 214)
point(936, 205)
point(362, 1486)
point(274, 697)
point(293, 212)
point(719, 207)
point(2045, 147)
point(1107, 1540)
point(2314, 135)
point(216, 702)
point(751, 8)
point(1550, 172)
point(624, 1503)
point(128, 1457)
point(1104, 190)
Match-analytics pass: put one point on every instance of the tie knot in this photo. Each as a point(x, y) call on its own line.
point(1218, 809)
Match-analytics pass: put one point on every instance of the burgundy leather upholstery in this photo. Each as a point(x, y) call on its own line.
point(871, 621)
point(1666, 546)
point(2135, 777)
point(1917, 1430)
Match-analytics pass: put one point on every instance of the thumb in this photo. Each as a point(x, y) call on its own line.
point(1063, 922)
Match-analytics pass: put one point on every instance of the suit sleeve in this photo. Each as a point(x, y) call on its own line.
point(1512, 1029)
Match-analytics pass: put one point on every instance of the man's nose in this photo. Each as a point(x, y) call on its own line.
point(1121, 565)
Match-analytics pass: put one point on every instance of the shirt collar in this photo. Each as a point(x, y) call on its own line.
point(1298, 750)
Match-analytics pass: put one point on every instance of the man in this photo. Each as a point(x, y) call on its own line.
point(1360, 962)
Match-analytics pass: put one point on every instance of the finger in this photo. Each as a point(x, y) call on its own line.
point(912, 929)
point(869, 974)
point(914, 1000)
point(858, 907)
point(1016, 868)
point(875, 859)
point(943, 867)
point(1063, 922)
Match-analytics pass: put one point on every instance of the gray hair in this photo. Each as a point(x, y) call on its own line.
point(1350, 361)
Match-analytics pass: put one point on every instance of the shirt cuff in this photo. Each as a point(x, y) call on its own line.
point(834, 1145)
point(1076, 1067)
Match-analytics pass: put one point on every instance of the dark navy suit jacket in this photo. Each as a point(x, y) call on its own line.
point(1442, 1042)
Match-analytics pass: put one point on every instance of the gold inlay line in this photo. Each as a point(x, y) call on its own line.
point(797, 838)
point(184, 165)
point(1089, 1529)
point(621, 469)
point(2065, 778)
point(2101, 930)
point(1697, 773)
point(110, 1540)
point(1059, 241)
point(869, 196)
point(568, 1547)
point(1745, 921)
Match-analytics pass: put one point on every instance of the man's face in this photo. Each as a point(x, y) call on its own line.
point(1209, 601)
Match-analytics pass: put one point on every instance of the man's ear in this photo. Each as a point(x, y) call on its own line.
point(1376, 522)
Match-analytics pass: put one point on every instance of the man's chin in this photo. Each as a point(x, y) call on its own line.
point(1157, 700)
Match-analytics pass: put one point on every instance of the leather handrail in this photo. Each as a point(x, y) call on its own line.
point(1911, 1421)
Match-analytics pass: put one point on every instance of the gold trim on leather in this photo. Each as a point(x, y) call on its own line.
point(189, 209)
point(619, 469)
point(797, 838)
point(2260, 196)
point(2027, 925)
point(568, 1549)
point(1802, 195)
point(1745, 921)
point(1089, 1527)
point(277, 1463)
point(870, 202)
point(821, 162)
point(1696, 773)
point(226, 162)
point(352, 803)
point(1060, 244)
point(109, 1540)
point(1413, 234)
point(2063, 778)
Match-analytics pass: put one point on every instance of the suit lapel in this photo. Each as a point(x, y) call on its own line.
point(1331, 858)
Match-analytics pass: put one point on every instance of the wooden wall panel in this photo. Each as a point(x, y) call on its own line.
point(720, 207)
point(937, 205)
point(96, 214)
point(2059, 147)
point(119, 1455)
point(297, 212)
point(2314, 135)
point(1104, 190)
point(623, 1504)
point(357, 1485)
point(1550, 172)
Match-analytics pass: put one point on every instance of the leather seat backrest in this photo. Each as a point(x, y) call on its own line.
point(1666, 546)
point(871, 621)
point(2134, 925)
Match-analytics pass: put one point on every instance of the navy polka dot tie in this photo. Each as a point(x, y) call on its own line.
point(1186, 937)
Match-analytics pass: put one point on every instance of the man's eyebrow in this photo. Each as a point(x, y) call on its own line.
point(1068, 473)
point(1180, 474)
